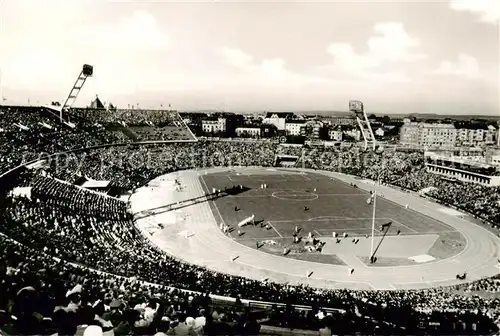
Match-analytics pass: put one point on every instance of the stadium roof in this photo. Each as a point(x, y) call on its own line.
point(97, 104)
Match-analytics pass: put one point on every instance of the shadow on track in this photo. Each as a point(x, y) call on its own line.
point(233, 191)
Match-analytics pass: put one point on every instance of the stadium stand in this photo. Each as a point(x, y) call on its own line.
point(72, 258)
point(143, 125)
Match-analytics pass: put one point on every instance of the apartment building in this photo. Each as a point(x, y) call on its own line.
point(353, 132)
point(348, 121)
point(294, 127)
point(312, 129)
point(249, 131)
point(213, 125)
point(437, 136)
point(477, 137)
point(335, 134)
point(409, 134)
point(443, 136)
point(426, 135)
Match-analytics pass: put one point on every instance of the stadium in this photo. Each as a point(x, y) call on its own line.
point(271, 220)
point(126, 215)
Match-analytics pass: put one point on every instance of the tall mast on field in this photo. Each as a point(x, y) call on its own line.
point(373, 221)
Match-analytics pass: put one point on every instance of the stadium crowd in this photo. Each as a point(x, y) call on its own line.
point(73, 258)
point(29, 133)
point(132, 166)
point(133, 117)
point(143, 125)
point(84, 228)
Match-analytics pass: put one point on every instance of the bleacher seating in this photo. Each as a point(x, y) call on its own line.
point(73, 257)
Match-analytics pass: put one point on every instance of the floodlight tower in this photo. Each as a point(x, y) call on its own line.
point(87, 71)
point(356, 106)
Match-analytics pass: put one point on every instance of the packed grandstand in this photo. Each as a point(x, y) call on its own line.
point(72, 258)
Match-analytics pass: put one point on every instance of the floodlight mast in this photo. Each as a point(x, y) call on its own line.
point(357, 107)
point(87, 71)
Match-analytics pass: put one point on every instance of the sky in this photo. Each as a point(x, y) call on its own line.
point(397, 57)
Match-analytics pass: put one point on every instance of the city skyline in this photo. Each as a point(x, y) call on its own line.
point(404, 57)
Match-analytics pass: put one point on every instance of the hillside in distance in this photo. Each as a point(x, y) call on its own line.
point(420, 116)
point(406, 115)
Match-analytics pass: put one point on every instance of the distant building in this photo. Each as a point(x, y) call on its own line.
point(409, 134)
point(213, 125)
point(278, 119)
point(249, 131)
point(343, 120)
point(425, 135)
point(437, 136)
point(491, 135)
point(477, 137)
point(462, 170)
point(313, 129)
point(233, 121)
point(294, 127)
point(375, 123)
point(445, 136)
point(380, 132)
point(335, 134)
point(353, 132)
point(495, 160)
point(267, 131)
point(397, 120)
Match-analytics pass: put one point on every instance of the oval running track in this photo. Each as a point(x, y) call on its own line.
point(209, 247)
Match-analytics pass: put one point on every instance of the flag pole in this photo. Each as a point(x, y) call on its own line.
point(373, 221)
